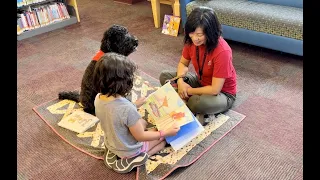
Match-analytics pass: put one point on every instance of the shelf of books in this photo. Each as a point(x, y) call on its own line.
point(35, 17)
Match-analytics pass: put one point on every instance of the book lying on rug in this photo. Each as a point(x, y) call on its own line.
point(78, 121)
point(166, 107)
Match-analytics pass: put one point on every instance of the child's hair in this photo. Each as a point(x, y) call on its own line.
point(114, 75)
point(206, 19)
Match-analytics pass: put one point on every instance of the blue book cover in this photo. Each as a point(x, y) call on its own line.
point(186, 134)
point(185, 129)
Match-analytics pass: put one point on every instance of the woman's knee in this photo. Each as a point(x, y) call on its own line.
point(165, 75)
point(193, 103)
point(207, 105)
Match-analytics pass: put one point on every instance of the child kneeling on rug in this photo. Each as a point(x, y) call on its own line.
point(125, 132)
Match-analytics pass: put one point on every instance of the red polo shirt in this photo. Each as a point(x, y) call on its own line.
point(218, 63)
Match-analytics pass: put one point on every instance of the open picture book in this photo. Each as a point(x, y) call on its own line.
point(166, 107)
point(78, 121)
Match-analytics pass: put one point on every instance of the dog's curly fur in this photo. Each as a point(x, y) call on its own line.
point(116, 39)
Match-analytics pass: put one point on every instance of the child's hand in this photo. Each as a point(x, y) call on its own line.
point(139, 102)
point(172, 131)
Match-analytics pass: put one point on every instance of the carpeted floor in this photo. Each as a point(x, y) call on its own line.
point(267, 145)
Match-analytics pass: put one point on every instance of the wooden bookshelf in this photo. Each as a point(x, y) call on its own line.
point(72, 9)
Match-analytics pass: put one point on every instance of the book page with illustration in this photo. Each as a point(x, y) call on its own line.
point(166, 107)
point(78, 121)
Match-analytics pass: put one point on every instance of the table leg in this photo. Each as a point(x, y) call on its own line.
point(176, 8)
point(155, 5)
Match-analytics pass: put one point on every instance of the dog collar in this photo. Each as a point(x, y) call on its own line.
point(98, 55)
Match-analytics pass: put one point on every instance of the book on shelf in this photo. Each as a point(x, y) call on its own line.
point(171, 25)
point(41, 15)
point(166, 108)
point(78, 121)
point(21, 3)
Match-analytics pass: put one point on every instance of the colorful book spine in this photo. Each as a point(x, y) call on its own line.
point(40, 16)
point(21, 3)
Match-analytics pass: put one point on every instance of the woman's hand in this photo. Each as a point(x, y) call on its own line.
point(139, 102)
point(182, 89)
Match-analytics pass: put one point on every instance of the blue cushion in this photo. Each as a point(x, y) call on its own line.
point(293, 3)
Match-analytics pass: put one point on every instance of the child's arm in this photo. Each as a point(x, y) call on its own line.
point(138, 132)
point(139, 102)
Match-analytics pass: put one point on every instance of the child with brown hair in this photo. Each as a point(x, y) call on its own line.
point(124, 130)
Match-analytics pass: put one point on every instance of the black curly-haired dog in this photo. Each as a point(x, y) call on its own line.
point(115, 39)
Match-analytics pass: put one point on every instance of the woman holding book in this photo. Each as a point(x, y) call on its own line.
point(213, 88)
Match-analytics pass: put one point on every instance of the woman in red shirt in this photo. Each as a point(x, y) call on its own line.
point(213, 88)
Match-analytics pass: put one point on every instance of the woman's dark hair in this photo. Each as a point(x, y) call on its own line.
point(114, 75)
point(206, 19)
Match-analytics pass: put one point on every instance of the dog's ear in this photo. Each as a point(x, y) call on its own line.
point(105, 45)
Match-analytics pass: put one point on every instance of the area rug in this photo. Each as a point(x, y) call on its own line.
point(157, 166)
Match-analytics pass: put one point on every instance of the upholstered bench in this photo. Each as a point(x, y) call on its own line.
point(266, 23)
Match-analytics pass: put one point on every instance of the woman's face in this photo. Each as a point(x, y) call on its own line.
point(198, 37)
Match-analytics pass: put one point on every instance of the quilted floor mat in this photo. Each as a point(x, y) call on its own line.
point(158, 166)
